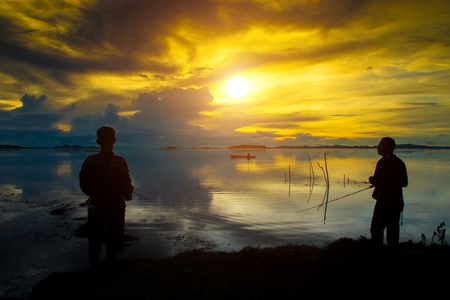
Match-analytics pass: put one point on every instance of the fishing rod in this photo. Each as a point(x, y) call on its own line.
point(142, 196)
point(339, 198)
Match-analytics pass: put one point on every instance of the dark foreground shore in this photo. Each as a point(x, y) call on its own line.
point(345, 268)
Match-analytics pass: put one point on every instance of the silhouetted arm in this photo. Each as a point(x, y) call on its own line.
point(85, 180)
point(126, 187)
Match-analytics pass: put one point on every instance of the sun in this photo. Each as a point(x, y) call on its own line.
point(237, 87)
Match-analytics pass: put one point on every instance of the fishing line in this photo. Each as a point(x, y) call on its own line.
point(140, 195)
point(339, 198)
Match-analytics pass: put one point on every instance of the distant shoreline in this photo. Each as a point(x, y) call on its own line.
point(400, 146)
point(63, 147)
point(236, 147)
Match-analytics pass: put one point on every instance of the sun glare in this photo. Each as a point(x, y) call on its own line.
point(237, 87)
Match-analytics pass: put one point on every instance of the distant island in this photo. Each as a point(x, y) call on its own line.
point(74, 147)
point(248, 147)
point(11, 147)
point(63, 147)
point(204, 148)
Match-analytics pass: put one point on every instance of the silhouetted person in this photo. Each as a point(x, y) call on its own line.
point(389, 178)
point(104, 177)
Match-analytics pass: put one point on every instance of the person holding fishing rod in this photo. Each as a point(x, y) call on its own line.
point(389, 178)
point(105, 178)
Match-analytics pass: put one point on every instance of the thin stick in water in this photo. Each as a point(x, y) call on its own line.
point(312, 178)
point(328, 188)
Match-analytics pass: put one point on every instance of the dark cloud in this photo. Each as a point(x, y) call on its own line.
point(422, 104)
point(173, 108)
point(32, 104)
point(34, 123)
point(322, 14)
point(34, 114)
point(142, 27)
point(86, 123)
point(145, 26)
point(138, 26)
point(308, 139)
point(161, 118)
point(344, 115)
point(58, 63)
point(282, 120)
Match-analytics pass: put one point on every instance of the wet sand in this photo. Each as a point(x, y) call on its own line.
point(38, 238)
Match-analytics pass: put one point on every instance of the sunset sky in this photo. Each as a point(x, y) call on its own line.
point(319, 72)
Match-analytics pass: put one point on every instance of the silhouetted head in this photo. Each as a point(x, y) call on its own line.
point(386, 146)
point(106, 136)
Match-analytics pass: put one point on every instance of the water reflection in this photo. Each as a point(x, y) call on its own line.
point(240, 201)
point(64, 169)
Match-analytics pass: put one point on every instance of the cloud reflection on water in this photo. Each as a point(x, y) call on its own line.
point(204, 191)
point(204, 199)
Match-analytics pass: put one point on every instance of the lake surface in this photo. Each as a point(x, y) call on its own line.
point(203, 199)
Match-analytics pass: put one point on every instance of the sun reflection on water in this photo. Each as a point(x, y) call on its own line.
point(254, 200)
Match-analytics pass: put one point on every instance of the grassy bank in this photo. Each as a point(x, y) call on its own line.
point(346, 268)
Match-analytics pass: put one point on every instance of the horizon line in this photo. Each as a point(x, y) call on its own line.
point(234, 147)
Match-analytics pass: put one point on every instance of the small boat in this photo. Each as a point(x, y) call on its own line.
point(248, 156)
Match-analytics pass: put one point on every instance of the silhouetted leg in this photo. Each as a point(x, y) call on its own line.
point(95, 229)
point(393, 229)
point(115, 234)
point(378, 225)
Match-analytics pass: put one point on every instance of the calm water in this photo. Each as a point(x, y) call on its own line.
point(204, 199)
